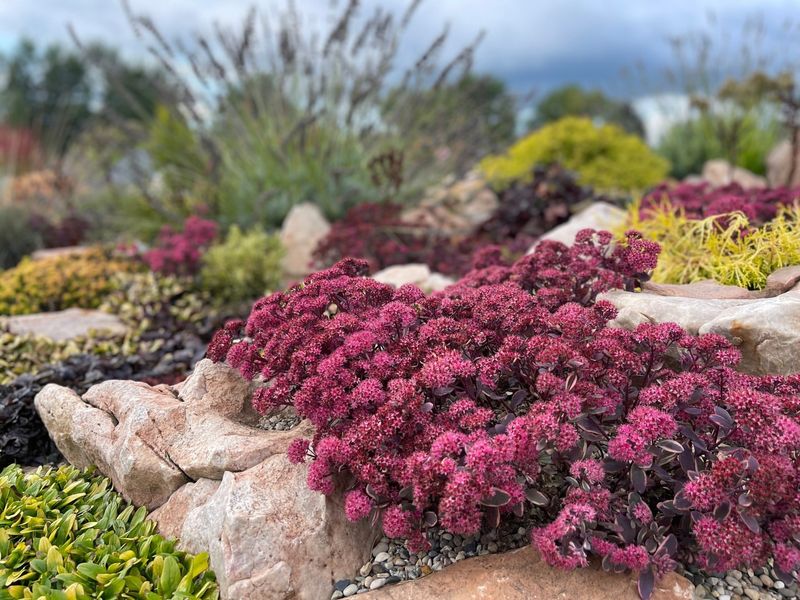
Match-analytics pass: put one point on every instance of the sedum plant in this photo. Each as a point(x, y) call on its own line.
point(699, 200)
point(66, 535)
point(243, 267)
point(508, 395)
point(180, 252)
point(604, 157)
point(730, 248)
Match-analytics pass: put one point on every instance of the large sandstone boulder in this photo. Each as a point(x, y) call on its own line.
point(150, 441)
point(223, 486)
point(598, 215)
point(302, 230)
point(522, 575)
point(719, 173)
point(268, 535)
point(65, 324)
point(765, 329)
point(779, 164)
point(417, 274)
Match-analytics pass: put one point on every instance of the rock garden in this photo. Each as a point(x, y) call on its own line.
point(542, 367)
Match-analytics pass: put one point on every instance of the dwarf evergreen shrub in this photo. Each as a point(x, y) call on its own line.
point(604, 157)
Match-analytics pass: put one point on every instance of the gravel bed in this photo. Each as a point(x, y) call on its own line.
point(758, 584)
point(392, 563)
point(283, 420)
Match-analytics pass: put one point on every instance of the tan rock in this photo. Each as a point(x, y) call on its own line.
point(302, 230)
point(522, 575)
point(719, 173)
point(71, 422)
point(65, 324)
point(150, 442)
point(218, 389)
point(707, 289)
point(766, 330)
point(63, 251)
point(269, 536)
point(171, 515)
point(598, 215)
point(416, 274)
point(779, 165)
point(455, 206)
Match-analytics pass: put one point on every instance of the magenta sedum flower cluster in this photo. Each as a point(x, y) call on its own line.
point(507, 394)
point(700, 200)
point(180, 252)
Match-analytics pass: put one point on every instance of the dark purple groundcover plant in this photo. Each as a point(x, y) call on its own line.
point(507, 394)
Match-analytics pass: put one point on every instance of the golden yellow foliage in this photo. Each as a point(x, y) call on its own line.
point(725, 248)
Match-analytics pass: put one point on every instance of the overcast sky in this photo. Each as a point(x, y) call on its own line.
point(530, 44)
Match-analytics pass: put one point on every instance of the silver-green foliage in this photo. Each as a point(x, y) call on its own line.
point(66, 535)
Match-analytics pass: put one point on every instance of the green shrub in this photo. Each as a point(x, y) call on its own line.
point(243, 267)
point(17, 238)
point(689, 144)
point(604, 157)
point(59, 282)
point(66, 535)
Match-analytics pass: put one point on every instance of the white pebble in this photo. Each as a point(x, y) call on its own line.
point(382, 557)
point(350, 590)
point(377, 583)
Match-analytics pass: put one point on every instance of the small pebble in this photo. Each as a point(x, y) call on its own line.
point(350, 590)
point(377, 583)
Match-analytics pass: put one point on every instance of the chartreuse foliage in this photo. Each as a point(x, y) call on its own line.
point(59, 282)
point(604, 157)
point(243, 267)
point(66, 535)
point(726, 248)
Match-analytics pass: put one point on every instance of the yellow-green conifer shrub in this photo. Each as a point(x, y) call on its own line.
point(725, 248)
point(59, 282)
point(66, 534)
point(605, 157)
point(243, 267)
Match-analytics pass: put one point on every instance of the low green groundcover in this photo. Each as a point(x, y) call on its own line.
point(66, 535)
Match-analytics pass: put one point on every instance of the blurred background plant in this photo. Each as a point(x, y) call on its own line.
point(603, 156)
point(257, 118)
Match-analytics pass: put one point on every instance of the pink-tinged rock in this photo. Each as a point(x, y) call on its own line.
point(171, 515)
point(268, 535)
point(149, 442)
point(522, 575)
point(217, 389)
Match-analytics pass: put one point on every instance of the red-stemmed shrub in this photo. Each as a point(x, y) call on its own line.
point(507, 394)
point(700, 200)
point(179, 253)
